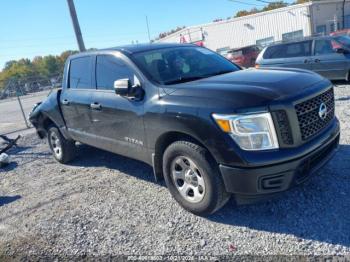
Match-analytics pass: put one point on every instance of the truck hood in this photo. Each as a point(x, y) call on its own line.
point(251, 87)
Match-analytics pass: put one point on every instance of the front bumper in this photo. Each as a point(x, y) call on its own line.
point(257, 183)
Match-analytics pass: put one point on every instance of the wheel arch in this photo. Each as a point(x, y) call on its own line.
point(161, 145)
point(44, 123)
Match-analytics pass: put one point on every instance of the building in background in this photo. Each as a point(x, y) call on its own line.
point(296, 21)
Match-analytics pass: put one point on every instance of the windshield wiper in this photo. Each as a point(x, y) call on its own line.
point(222, 72)
point(183, 80)
point(193, 78)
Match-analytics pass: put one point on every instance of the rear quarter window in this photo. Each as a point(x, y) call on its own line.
point(272, 52)
point(237, 53)
point(248, 50)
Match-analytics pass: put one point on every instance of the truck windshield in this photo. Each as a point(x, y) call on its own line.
point(182, 64)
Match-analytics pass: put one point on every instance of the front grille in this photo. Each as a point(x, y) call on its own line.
point(308, 114)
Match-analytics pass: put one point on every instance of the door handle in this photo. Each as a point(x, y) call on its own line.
point(95, 106)
point(65, 102)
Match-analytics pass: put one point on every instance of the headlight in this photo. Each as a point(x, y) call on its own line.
point(250, 131)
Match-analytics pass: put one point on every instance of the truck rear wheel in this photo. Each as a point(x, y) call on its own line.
point(62, 149)
point(193, 178)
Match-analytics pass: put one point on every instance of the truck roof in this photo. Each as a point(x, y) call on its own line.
point(147, 47)
point(137, 48)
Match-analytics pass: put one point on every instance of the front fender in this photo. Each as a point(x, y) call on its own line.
point(49, 112)
point(193, 123)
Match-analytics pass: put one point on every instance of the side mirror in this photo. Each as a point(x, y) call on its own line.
point(122, 86)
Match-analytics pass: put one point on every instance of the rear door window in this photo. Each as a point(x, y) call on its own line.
point(80, 73)
point(294, 50)
point(325, 47)
point(298, 49)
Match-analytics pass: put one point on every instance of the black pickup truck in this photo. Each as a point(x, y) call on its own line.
point(206, 126)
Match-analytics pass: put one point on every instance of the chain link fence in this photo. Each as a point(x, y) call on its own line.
point(19, 96)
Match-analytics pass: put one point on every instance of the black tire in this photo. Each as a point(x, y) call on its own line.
point(67, 149)
point(213, 197)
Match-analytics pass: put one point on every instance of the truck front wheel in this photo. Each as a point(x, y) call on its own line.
point(193, 178)
point(62, 149)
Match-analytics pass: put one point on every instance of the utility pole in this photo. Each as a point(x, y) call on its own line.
point(149, 35)
point(189, 35)
point(76, 26)
point(335, 21)
point(343, 14)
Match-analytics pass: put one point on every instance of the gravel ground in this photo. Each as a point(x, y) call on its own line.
point(105, 204)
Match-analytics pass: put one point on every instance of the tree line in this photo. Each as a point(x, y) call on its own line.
point(39, 67)
point(270, 6)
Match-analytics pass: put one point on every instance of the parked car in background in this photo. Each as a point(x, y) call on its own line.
point(245, 56)
point(328, 56)
point(341, 32)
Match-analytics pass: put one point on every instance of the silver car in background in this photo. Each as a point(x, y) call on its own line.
point(328, 56)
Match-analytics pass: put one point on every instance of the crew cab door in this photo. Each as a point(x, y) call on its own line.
point(327, 62)
point(76, 98)
point(117, 121)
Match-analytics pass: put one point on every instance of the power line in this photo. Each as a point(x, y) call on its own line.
point(267, 2)
point(245, 3)
point(97, 42)
point(89, 38)
point(64, 37)
point(92, 40)
point(71, 42)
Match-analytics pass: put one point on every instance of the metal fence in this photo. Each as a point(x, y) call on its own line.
point(17, 100)
point(24, 86)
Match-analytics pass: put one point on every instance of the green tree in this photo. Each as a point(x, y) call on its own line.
point(63, 57)
point(8, 64)
point(39, 67)
point(270, 6)
point(274, 5)
point(51, 66)
point(245, 12)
